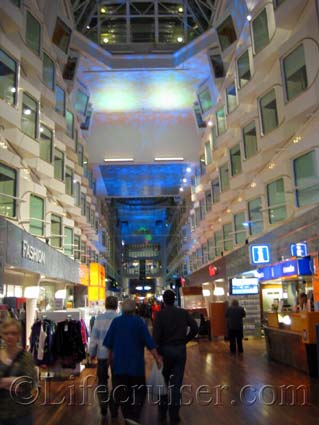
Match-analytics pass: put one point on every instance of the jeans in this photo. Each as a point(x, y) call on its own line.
point(174, 357)
point(129, 392)
point(235, 336)
point(103, 393)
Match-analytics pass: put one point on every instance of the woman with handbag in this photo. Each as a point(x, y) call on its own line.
point(17, 377)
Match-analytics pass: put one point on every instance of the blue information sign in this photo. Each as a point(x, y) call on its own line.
point(300, 267)
point(299, 249)
point(260, 254)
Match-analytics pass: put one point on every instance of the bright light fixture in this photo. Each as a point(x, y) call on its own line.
point(88, 27)
point(218, 291)
point(118, 159)
point(181, 189)
point(253, 184)
point(103, 10)
point(249, 18)
point(13, 89)
point(32, 292)
point(180, 9)
point(27, 112)
point(147, 288)
point(105, 40)
point(139, 288)
point(180, 39)
point(169, 158)
point(188, 170)
point(210, 123)
point(206, 292)
point(60, 294)
point(184, 180)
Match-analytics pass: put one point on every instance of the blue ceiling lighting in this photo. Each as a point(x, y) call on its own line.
point(142, 180)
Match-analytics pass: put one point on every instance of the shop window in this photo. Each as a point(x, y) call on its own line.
point(88, 117)
point(33, 34)
point(77, 193)
point(295, 72)
point(68, 241)
point(228, 236)
point(211, 249)
point(48, 71)
point(8, 188)
point(208, 153)
point(221, 121)
point(224, 177)
point(8, 78)
point(255, 217)
point(306, 179)
point(62, 35)
point(81, 102)
point(80, 154)
point(231, 98)
point(29, 117)
point(83, 203)
point(268, 111)
point(235, 160)
point(70, 68)
point(46, 143)
point(69, 181)
point(69, 117)
point(276, 201)
point(226, 33)
point(198, 116)
point(86, 168)
point(243, 69)
point(250, 140)
point(60, 100)
point(77, 247)
point(208, 200)
point(217, 65)
point(240, 228)
point(205, 100)
point(260, 31)
point(58, 164)
point(56, 231)
point(36, 216)
point(216, 190)
point(218, 239)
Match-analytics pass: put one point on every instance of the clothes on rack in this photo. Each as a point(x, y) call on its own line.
point(42, 342)
point(68, 343)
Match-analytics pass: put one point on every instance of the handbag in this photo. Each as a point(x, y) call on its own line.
point(156, 382)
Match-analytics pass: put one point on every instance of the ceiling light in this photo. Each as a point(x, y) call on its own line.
point(139, 288)
point(228, 210)
point(181, 189)
point(210, 123)
point(27, 112)
point(88, 27)
point(296, 139)
point(249, 18)
point(240, 199)
point(181, 10)
point(184, 180)
point(118, 159)
point(105, 40)
point(188, 170)
point(169, 159)
point(219, 219)
point(103, 10)
point(253, 184)
point(13, 89)
point(147, 288)
point(180, 39)
point(271, 165)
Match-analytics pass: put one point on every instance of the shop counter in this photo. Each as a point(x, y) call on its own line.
point(291, 339)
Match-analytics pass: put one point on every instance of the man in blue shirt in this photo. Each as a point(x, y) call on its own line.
point(125, 340)
point(97, 349)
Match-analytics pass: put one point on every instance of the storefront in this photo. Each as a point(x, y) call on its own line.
point(33, 275)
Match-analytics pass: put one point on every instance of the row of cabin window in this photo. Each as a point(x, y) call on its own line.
point(8, 192)
point(9, 90)
point(306, 183)
point(295, 82)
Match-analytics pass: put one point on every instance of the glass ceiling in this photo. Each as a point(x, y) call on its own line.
point(144, 26)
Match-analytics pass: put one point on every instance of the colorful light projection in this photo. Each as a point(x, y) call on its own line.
point(142, 180)
point(131, 90)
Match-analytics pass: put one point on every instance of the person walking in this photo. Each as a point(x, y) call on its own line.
point(17, 377)
point(97, 349)
point(234, 315)
point(173, 328)
point(125, 340)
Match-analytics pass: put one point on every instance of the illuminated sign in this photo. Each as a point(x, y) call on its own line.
point(299, 249)
point(260, 254)
point(300, 267)
point(212, 270)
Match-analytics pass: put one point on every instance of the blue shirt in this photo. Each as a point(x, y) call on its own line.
point(127, 337)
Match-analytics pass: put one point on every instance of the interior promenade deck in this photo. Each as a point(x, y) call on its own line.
point(220, 389)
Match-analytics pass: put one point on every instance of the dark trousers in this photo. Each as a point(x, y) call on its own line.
point(174, 358)
point(235, 337)
point(102, 392)
point(129, 393)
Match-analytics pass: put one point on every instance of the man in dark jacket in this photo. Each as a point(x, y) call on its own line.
point(234, 315)
point(173, 328)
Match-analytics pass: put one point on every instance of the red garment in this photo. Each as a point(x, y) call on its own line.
point(84, 333)
point(155, 309)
